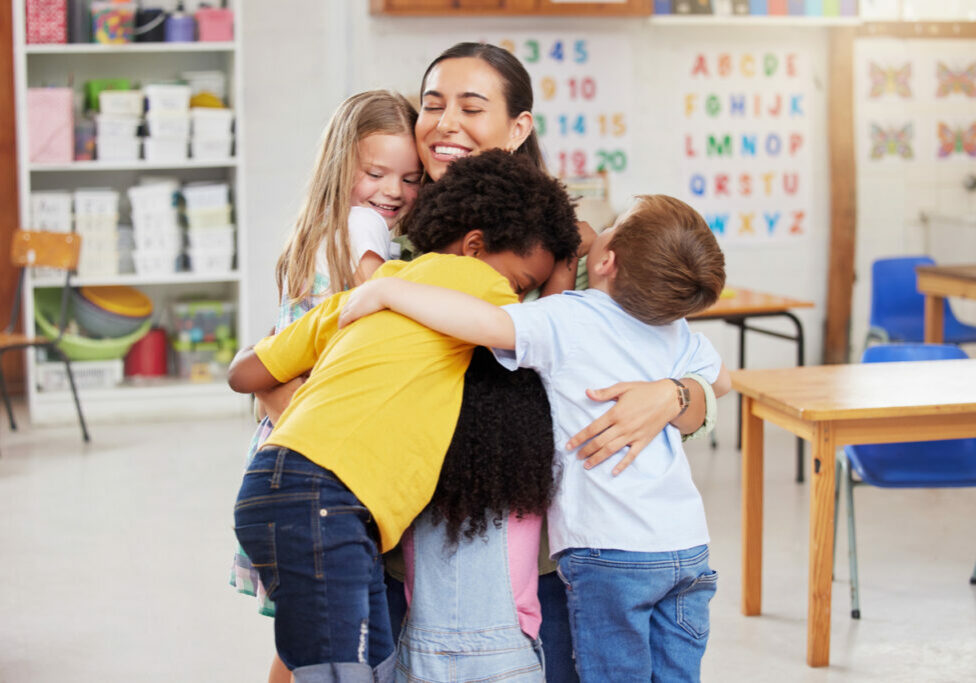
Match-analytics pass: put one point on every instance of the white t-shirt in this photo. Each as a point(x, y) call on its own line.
point(367, 232)
point(581, 340)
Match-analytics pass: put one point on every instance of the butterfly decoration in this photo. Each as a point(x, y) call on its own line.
point(892, 141)
point(890, 80)
point(956, 81)
point(956, 140)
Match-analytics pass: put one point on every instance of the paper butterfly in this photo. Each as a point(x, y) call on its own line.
point(885, 141)
point(950, 81)
point(958, 140)
point(890, 79)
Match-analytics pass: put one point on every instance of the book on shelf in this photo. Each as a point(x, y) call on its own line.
point(692, 7)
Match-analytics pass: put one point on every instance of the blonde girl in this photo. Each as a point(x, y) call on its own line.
point(366, 178)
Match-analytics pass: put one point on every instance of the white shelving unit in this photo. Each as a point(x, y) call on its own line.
point(60, 65)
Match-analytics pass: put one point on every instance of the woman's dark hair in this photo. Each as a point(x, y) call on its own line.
point(501, 457)
point(515, 204)
point(516, 85)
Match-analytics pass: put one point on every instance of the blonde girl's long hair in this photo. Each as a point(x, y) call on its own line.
point(325, 213)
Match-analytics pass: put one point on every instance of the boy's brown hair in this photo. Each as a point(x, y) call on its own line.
point(669, 264)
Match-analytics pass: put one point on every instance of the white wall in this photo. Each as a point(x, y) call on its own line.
point(298, 72)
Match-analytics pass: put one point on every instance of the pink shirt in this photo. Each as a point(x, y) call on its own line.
point(523, 569)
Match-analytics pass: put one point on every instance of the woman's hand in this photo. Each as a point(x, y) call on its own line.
point(365, 299)
point(274, 401)
point(641, 411)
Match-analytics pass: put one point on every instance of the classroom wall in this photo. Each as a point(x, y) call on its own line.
point(293, 86)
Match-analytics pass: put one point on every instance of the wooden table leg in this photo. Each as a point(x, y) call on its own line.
point(752, 509)
point(821, 545)
point(934, 323)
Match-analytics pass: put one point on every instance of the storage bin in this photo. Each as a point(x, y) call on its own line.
point(218, 260)
point(112, 22)
point(213, 217)
point(210, 82)
point(209, 122)
point(211, 148)
point(211, 238)
point(88, 374)
point(50, 125)
point(117, 125)
point(202, 362)
point(110, 311)
point(51, 211)
point(168, 124)
point(203, 321)
point(121, 102)
point(95, 225)
point(96, 201)
point(166, 97)
point(206, 195)
point(215, 24)
point(47, 21)
point(169, 241)
point(155, 262)
point(152, 197)
point(98, 262)
point(155, 220)
point(165, 150)
point(112, 148)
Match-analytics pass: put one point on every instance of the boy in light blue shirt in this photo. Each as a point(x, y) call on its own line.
point(631, 542)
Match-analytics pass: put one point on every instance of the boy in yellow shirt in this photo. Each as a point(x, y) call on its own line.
point(357, 453)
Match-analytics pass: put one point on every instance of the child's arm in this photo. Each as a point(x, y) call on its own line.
point(367, 266)
point(723, 383)
point(445, 310)
point(247, 374)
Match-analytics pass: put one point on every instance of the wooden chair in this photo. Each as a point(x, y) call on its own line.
point(51, 250)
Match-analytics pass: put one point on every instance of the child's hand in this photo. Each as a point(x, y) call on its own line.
point(587, 235)
point(365, 299)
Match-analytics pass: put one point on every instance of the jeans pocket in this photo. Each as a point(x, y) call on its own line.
point(693, 602)
point(258, 541)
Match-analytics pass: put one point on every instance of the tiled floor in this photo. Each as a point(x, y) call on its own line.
point(116, 558)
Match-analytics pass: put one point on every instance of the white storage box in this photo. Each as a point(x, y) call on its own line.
point(117, 125)
point(212, 123)
point(211, 260)
point(51, 211)
point(214, 217)
point(170, 241)
point(206, 195)
point(167, 97)
point(98, 262)
point(88, 374)
point(213, 82)
point(211, 148)
point(90, 225)
point(153, 197)
point(96, 201)
point(155, 262)
point(211, 238)
point(168, 124)
point(159, 219)
point(117, 148)
point(121, 102)
point(162, 150)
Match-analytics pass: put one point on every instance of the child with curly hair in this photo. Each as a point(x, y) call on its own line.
point(356, 454)
point(631, 543)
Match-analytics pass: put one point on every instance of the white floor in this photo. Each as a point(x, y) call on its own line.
point(115, 559)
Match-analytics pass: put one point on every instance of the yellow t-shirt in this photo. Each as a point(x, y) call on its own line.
point(383, 397)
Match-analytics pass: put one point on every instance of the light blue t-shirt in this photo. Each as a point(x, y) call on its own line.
point(581, 340)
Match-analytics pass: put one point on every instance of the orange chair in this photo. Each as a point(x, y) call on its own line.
point(51, 250)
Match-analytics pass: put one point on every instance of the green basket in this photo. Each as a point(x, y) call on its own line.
point(47, 308)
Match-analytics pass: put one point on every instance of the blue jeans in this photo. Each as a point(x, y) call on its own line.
point(314, 545)
point(638, 616)
point(557, 642)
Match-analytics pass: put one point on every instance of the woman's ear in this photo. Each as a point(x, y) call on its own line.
point(519, 130)
point(473, 243)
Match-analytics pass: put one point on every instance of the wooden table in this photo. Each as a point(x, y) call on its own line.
point(937, 283)
point(832, 406)
point(744, 304)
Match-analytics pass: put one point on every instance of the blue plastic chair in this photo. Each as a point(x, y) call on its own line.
point(898, 310)
point(921, 464)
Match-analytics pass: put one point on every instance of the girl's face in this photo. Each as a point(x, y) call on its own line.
point(389, 175)
point(464, 111)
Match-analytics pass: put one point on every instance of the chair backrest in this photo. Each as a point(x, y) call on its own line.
point(896, 305)
point(47, 249)
point(885, 353)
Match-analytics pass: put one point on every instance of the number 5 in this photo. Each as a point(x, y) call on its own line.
point(579, 52)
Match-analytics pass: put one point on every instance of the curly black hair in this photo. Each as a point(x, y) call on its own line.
point(514, 203)
point(501, 457)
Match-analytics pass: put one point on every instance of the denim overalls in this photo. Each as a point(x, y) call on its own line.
point(462, 623)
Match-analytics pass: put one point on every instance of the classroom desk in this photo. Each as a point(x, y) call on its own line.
point(744, 304)
point(832, 406)
point(938, 282)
